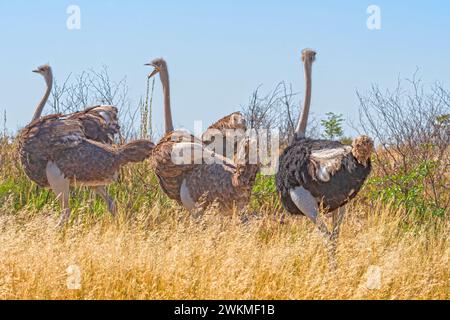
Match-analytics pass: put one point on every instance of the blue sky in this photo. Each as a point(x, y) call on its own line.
point(218, 52)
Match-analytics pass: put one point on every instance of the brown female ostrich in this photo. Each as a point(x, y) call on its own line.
point(321, 173)
point(188, 180)
point(57, 151)
point(100, 123)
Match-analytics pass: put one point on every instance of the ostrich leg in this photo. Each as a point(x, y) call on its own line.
point(307, 204)
point(338, 217)
point(61, 187)
point(101, 191)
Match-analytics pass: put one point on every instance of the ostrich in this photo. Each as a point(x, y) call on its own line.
point(190, 179)
point(324, 174)
point(58, 151)
point(100, 123)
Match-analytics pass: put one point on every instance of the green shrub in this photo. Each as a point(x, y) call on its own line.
point(407, 190)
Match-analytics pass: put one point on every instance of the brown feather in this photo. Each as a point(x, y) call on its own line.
point(170, 175)
point(231, 129)
point(225, 186)
point(63, 141)
point(100, 123)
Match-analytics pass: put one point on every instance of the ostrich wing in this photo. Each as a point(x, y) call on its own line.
point(50, 134)
point(43, 140)
point(343, 186)
point(196, 153)
point(324, 163)
point(100, 123)
point(334, 175)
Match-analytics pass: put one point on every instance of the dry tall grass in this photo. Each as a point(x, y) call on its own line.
point(169, 256)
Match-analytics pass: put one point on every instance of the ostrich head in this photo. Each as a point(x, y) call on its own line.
point(308, 55)
point(46, 72)
point(159, 65)
point(362, 148)
point(237, 121)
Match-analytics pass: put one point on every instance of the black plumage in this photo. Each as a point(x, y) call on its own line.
point(296, 169)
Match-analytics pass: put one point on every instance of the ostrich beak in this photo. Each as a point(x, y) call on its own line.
point(154, 73)
point(36, 71)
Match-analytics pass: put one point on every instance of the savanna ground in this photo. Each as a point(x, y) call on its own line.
point(395, 240)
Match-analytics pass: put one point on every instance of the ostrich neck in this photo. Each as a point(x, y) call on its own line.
point(246, 172)
point(247, 175)
point(303, 122)
point(167, 110)
point(41, 105)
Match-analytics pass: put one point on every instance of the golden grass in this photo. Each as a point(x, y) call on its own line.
point(169, 256)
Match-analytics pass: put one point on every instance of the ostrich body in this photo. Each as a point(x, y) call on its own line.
point(58, 151)
point(328, 170)
point(226, 185)
point(315, 174)
point(63, 142)
point(192, 179)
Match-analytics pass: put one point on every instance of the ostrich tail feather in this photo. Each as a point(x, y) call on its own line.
point(136, 151)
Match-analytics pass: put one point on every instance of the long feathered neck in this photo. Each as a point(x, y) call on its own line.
point(303, 122)
point(164, 75)
point(41, 105)
point(247, 164)
point(245, 175)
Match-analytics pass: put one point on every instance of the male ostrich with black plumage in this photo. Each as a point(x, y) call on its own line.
point(321, 174)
